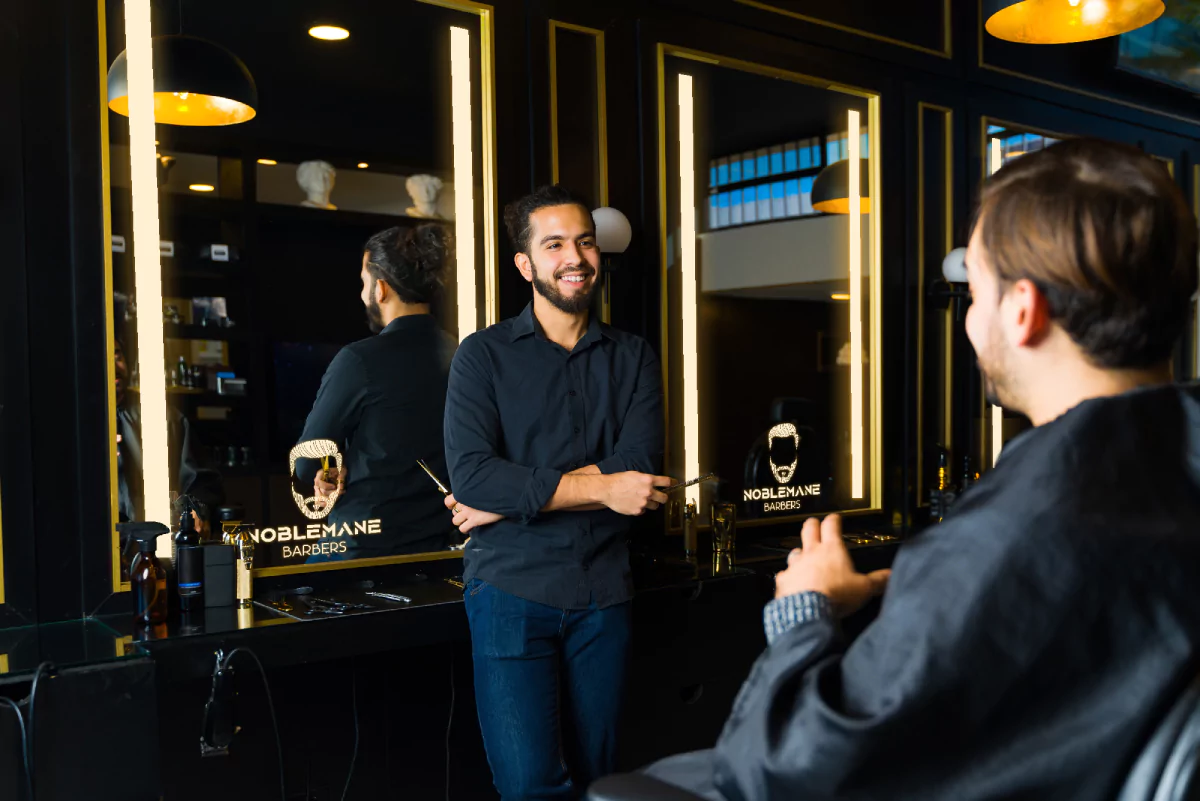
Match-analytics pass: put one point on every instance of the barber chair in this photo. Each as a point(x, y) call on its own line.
point(1165, 770)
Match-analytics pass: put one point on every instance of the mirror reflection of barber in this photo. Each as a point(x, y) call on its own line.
point(187, 476)
point(382, 401)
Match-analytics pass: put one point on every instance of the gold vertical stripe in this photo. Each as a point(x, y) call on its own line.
point(1196, 302)
point(109, 323)
point(875, 187)
point(948, 245)
point(664, 272)
point(601, 128)
point(3, 663)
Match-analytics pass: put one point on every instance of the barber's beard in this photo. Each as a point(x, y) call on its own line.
point(578, 302)
point(374, 314)
point(998, 383)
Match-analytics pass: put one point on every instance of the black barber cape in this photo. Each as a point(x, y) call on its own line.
point(1027, 647)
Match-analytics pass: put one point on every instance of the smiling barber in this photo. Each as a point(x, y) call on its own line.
point(553, 434)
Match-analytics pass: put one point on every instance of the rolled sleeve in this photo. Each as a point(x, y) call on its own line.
point(479, 477)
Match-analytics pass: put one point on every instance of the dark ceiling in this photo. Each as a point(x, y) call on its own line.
point(383, 95)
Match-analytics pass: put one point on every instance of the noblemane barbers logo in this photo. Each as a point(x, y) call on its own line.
point(782, 498)
point(314, 507)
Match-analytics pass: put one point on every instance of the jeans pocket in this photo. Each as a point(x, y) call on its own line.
point(475, 586)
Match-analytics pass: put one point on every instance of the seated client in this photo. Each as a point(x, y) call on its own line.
point(1029, 645)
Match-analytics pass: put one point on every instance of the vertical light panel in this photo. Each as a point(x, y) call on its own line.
point(997, 161)
point(147, 270)
point(856, 366)
point(464, 180)
point(687, 241)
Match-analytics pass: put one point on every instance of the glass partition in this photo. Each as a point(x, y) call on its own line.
point(770, 189)
point(240, 271)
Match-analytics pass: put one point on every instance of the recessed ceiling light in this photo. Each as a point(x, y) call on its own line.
point(840, 296)
point(201, 187)
point(362, 165)
point(268, 162)
point(330, 33)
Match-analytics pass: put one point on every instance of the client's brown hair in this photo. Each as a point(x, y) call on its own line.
point(1105, 234)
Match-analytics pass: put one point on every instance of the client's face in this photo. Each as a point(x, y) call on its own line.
point(984, 327)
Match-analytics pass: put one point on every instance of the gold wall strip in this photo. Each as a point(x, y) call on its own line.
point(109, 324)
point(948, 245)
point(945, 52)
point(601, 125)
point(1196, 302)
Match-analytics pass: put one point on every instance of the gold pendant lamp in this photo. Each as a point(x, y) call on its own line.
point(1065, 21)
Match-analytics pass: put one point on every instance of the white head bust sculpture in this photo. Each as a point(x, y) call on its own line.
point(423, 189)
point(316, 178)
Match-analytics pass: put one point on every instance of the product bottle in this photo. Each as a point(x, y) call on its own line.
point(939, 500)
point(189, 562)
point(148, 581)
point(182, 375)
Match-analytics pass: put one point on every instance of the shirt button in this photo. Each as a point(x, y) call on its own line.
point(571, 393)
point(587, 566)
point(576, 429)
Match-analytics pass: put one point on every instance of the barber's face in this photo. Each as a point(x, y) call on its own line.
point(563, 260)
point(984, 328)
point(369, 298)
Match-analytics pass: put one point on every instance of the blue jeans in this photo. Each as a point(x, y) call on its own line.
point(548, 686)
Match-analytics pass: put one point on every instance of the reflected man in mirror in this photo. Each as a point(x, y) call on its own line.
point(381, 401)
point(1028, 646)
point(553, 436)
point(187, 476)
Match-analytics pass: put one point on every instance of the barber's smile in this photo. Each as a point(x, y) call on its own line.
point(576, 279)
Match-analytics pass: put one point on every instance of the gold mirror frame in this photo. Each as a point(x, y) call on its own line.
point(486, 14)
point(874, 492)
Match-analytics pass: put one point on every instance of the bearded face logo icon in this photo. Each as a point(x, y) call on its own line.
point(314, 508)
point(784, 431)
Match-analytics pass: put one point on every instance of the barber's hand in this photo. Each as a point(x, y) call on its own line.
point(633, 493)
point(466, 518)
point(824, 566)
point(323, 488)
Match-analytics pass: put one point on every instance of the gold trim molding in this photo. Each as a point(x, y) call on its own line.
point(948, 245)
point(947, 50)
point(601, 124)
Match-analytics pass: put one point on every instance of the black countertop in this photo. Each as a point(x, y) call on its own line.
point(283, 629)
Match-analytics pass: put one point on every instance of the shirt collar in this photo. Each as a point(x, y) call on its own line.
point(407, 321)
point(525, 324)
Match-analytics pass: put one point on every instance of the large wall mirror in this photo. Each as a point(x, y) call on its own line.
point(240, 268)
point(770, 229)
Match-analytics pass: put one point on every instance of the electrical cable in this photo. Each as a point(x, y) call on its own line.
point(46, 668)
point(449, 723)
point(354, 754)
point(24, 745)
point(270, 706)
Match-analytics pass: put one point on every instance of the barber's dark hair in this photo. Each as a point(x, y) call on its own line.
point(1105, 234)
point(518, 213)
point(411, 260)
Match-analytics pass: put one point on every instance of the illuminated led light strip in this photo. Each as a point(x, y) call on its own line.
point(147, 275)
point(687, 240)
point(856, 365)
point(464, 180)
point(997, 161)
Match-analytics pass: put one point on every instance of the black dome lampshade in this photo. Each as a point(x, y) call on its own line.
point(831, 190)
point(1065, 21)
point(196, 82)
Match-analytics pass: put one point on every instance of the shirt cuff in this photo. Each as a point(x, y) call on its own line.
point(783, 614)
point(539, 489)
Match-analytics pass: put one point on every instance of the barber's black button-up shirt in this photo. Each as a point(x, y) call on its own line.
point(381, 401)
point(520, 412)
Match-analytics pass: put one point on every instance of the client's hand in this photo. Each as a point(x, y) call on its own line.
point(824, 566)
point(466, 518)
